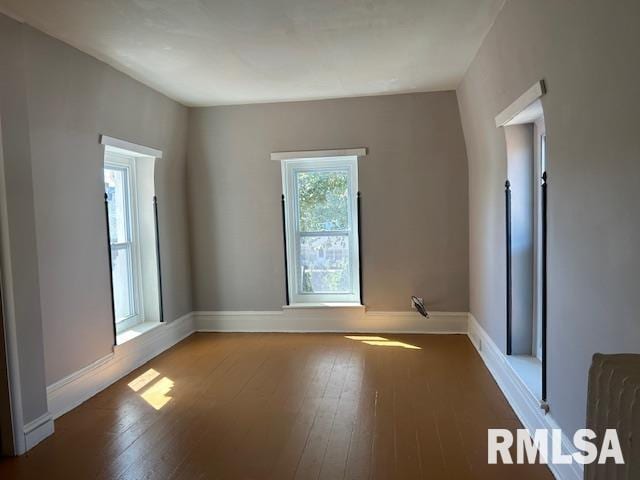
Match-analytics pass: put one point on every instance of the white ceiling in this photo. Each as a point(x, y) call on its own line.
point(214, 52)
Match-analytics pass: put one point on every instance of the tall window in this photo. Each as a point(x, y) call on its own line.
point(321, 229)
point(119, 184)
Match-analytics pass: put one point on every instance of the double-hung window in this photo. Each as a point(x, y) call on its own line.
point(321, 229)
point(119, 183)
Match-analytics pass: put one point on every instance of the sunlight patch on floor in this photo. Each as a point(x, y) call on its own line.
point(363, 338)
point(382, 342)
point(143, 380)
point(156, 395)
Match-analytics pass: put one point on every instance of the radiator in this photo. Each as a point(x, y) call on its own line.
point(613, 401)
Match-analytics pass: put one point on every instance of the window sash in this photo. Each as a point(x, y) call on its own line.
point(299, 268)
point(324, 233)
point(125, 165)
point(127, 247)
point(123, 223)
point(290, 170)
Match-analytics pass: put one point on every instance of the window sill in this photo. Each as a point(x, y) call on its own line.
point(529, 370)
point(136, 331)
point(322, 305)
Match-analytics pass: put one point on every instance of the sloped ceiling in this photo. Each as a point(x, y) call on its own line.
point(214, 52)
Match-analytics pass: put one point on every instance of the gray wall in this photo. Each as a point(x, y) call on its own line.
point(23, 264)
point(414, 198)
point(71, 99)
point(587, 53)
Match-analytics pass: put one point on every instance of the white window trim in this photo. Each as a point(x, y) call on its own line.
point(118, 160)
point(289, 169)
point(534, 92)
point(132, 149)
point(345, 152)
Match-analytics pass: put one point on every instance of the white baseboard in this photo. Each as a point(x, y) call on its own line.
point(524, 404)
point(37, 430)
point(334, 319)
point(78, 387)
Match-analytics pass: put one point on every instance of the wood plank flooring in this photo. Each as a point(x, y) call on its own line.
point(287, 406)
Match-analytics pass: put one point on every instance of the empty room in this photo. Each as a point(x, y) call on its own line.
point(319, 239)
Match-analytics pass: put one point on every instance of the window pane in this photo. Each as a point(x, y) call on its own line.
point(543, 153)
point(324, 264)
point(122, 284)
point(323, 201)
point(115, 185)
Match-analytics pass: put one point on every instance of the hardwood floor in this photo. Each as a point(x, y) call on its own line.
point(287, 406)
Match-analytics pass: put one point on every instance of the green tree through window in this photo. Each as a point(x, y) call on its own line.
point(321, 229)
point(323, 201)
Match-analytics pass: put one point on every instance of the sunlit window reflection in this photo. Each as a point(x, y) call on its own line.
point(382, 342)
point(143, 380)
point(389, 343)
point(363, 338)
point(156, 395)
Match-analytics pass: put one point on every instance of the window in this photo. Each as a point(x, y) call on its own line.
point(543, 154)
point(321, 229)
point(119, 183)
